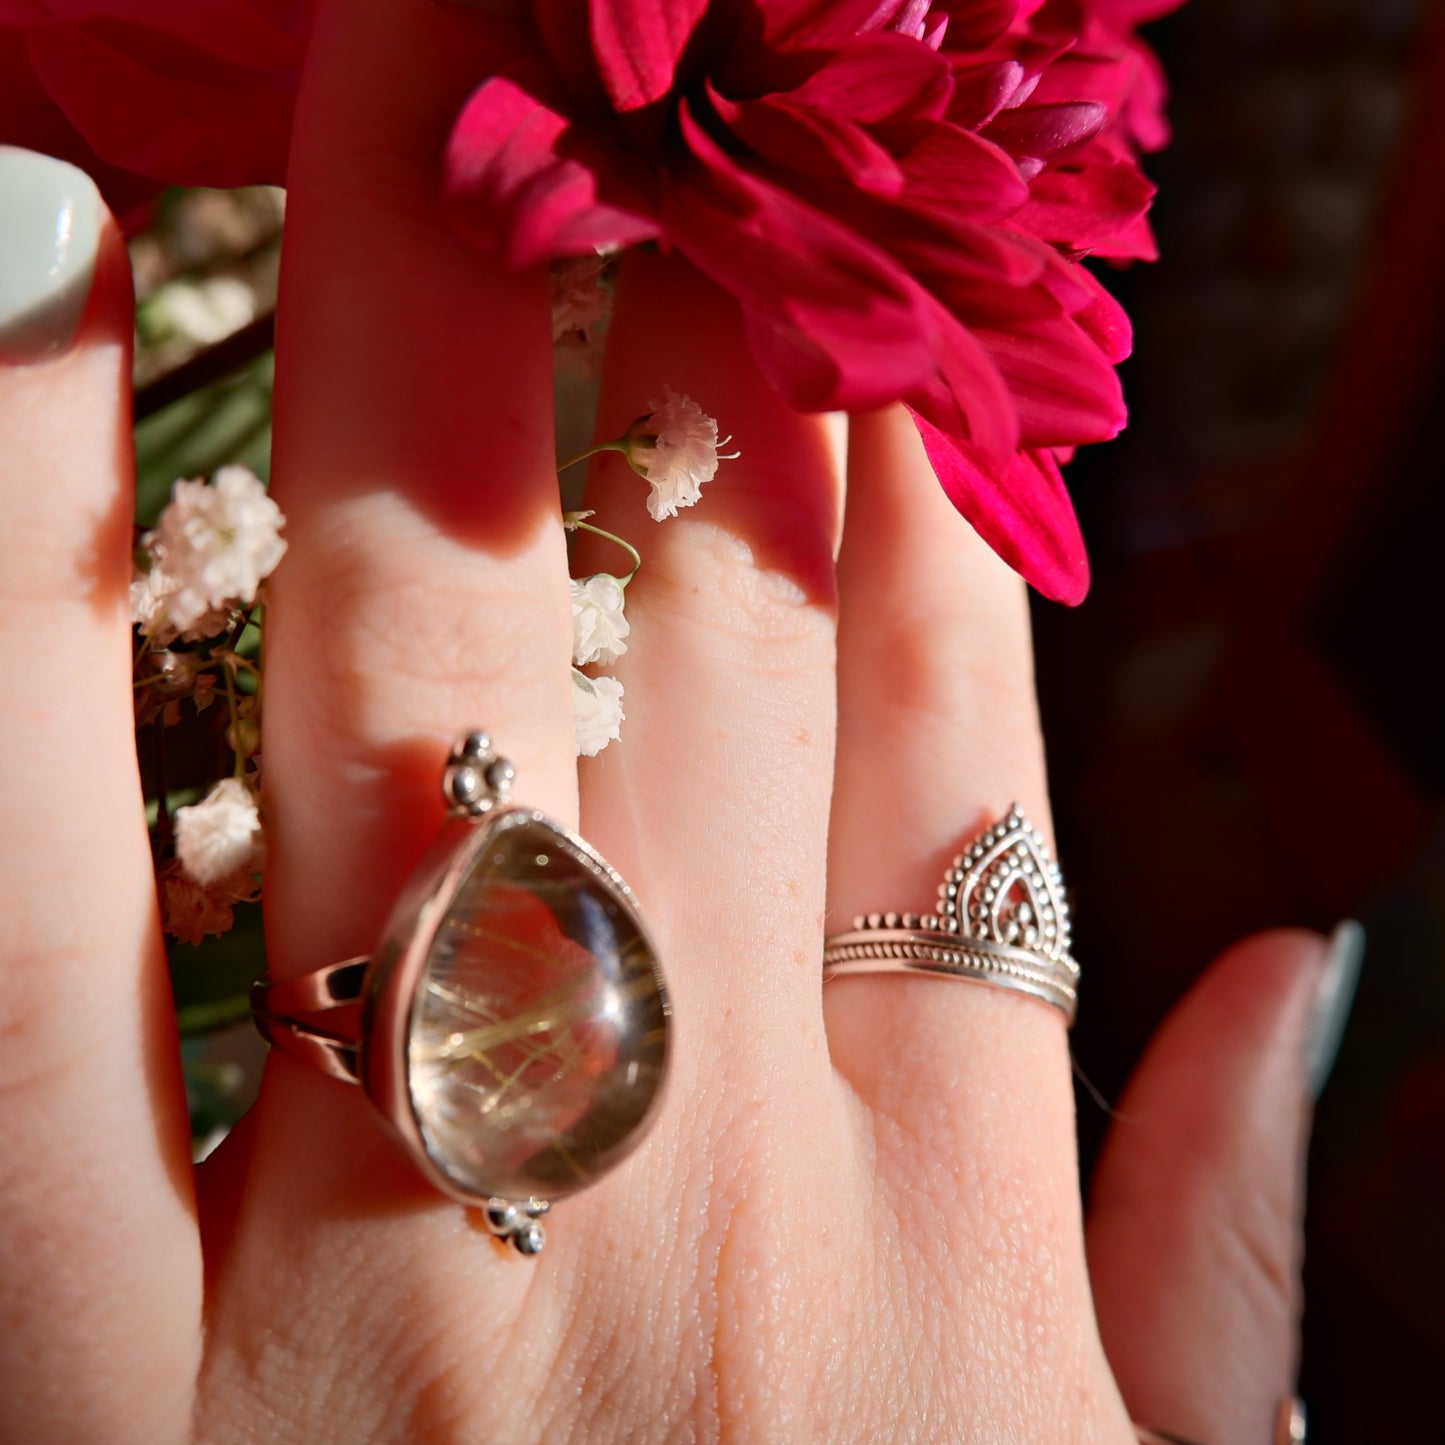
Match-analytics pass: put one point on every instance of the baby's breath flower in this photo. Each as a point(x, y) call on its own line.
point(598, 626)
point(205, 311)
point(148, 593)
point(676, 449)
point(580, 299)
point(150, 609)
point(220, 836)
point(212, 548)
point(596, 712)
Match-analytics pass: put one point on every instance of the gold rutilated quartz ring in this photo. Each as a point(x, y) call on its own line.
point(1001, 919)
point(511, 1026)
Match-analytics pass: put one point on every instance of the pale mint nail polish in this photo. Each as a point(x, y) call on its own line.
point(1333, 1000)
point(50, 219)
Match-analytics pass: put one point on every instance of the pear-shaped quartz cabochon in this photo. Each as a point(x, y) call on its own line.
point(538, 1036)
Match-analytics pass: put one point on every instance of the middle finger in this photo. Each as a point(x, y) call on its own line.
point(424, 593)
point(715, 799)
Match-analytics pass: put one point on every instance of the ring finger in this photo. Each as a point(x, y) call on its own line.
point(965, 1089)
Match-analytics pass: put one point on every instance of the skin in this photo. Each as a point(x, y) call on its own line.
point(858, 1217)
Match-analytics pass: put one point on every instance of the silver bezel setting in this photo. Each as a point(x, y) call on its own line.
point(352, 1020)
point(389, 990)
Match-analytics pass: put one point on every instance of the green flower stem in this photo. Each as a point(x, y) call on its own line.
point(613, 446)
point(626, 546)
point(145, 645)
point(204, 1018)
point(161, 837)
point(257, 616)
point(239, 772)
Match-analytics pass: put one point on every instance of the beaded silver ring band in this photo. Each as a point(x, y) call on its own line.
point(1002, 919)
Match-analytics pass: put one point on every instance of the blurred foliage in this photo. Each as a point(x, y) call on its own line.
point(227, 422)
point(205, 269)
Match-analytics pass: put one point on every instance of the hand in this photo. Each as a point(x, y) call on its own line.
point(858, 1218)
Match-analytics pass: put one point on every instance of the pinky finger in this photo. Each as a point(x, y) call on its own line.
point(96, 1219)
point(1194, 1233)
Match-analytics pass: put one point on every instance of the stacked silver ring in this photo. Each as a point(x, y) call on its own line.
point(1002, 919)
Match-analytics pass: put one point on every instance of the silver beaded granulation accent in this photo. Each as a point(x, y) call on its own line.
point(476, 779)
point(1006, 888)
point(518, 1223)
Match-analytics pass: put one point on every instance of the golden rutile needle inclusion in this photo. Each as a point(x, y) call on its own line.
point(537, 1042)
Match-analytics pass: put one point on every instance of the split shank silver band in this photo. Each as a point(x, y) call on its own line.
point(1002, 918)
point(510, 1029)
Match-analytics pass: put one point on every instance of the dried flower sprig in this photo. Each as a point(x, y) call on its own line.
point(212, 547)
point(596, 712)
point(197, 603)
point(676, 448)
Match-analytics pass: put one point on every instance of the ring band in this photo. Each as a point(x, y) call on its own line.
point(511, 1028)
point(1002, 919)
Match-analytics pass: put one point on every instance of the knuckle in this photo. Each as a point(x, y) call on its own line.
point(755, 616)
point(431, 617)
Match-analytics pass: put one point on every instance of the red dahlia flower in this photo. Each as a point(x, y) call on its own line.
point(149, 93)
point(897, 192)
point(893, 190)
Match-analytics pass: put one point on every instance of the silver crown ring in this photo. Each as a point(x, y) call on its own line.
point(1002, 918)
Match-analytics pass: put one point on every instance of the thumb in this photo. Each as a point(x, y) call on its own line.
point(1194, 1233)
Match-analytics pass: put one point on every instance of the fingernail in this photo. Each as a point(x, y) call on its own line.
point(1333, 1001)
point(49, 233)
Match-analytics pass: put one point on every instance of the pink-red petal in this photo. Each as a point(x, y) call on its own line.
point(638, 44)
point(1022, 510)
point(1105, 322)
point(1064, 388)
point(243, 32)
point(522, 182)
point(233, 135)
point(821, 24)
point(1042, 130)
point(30, 118)
point(967, 398)
point(964, 177)
point(875, 78)
point(1083, 203)
point(835, 324)
point(811, 142)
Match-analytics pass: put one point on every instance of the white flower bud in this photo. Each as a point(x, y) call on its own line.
point(206, 311)
point(221, 835)
point(596, 712)
point(598, 626)
point(580, 299)
point(213, 546)
point(676, 449)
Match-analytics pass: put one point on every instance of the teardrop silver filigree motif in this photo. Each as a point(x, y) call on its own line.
point(1006, 888)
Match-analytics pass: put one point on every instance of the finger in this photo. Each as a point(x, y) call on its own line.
point(1194, 1229)
point(96, 1214)
point(728, 678)
point(938, 732)
point(424, 593)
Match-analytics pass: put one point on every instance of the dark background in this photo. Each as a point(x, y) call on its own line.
point(1245, 718)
